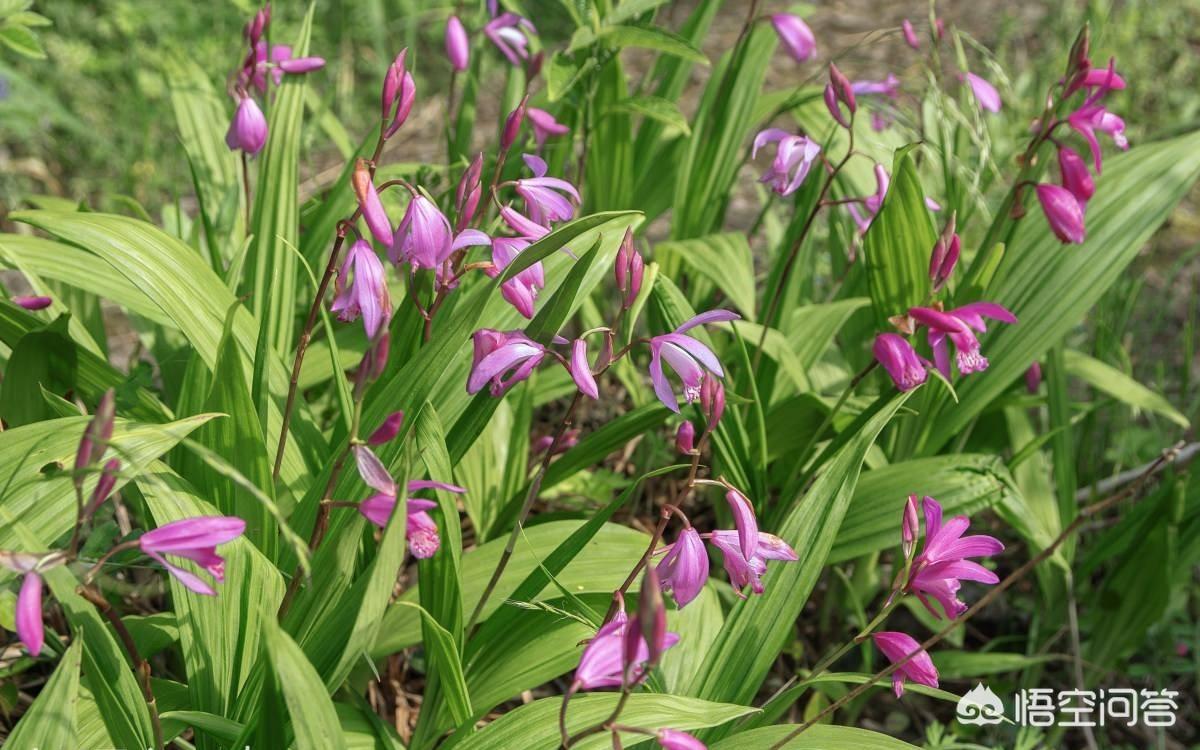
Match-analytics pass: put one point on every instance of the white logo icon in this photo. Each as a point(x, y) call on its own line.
point(980, 706)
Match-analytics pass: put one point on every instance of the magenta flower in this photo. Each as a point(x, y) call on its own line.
point(1033, 377)
point(510, 33)
point(512, 125)
point(370, 206)
point(569, 440)
point(957, 325)
point(795, 35)
point(423, 238)
point(743, 571)
point(248, 130)
point(32, 302)
point(1063, 213)
point(687, 357)
point(1093, 118)
point(581, 371)
point(366, 294)
point(943, 259)
point(794, 157)
point(744, 521)
point(910, 34)
point(889, 86)
point(195, 539)
point(906, 369)
point(910, 526)
point(673, 739)
point(387, 430)
point(28, 614)
point(684, 569)
point(458, 46)
point(603, 661)
point(545, 126)
point(499, 352)
point(896, 647)
point(938, 571)
point(547, 199)
point(420, 530)
point(104, 485)
point(399, 93)
point(628, 271)
point(521, 290)
point(300, 65)
point(985, 93)
point(1075, 175)
point(468, 192)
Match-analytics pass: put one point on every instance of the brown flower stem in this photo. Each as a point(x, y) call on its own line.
point(123, 546)
point(314, 312)
point(141, 668)
point(1168, 456)
point(73, 547)
point(534, 488)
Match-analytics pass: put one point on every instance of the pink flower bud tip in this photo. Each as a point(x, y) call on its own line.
point(388, 429)
point(458, 46)
point(1063, 213)
point(910, 34)
point(248, 130)
point(910, 526)
point(32, 302)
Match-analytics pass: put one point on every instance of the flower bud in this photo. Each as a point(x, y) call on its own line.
point(944, 256)
point(796, 36)
point(842, 88)
point(376, 357)
point(1077, 60)
point(467, 194)
point(1075, 175)
point(512, 125)
point(628, 271)
point(910, 34)
point(399, 93)
point(939, 27)
point(910, 527)
point(652, 616)
point(835, 110)
point(369, 204)
point(96, 435)
point(1063, 213)
point(248, 130)
point(388, 429)
point(534, 66)
point(32, 302)
point(257, 26)
point(458, 46)
point(712, 401)
point(685, 438)
point(1033, 377)
point(301, 64)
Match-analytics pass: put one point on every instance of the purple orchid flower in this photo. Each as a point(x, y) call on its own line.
point(743, 571)
point(581, 370)
point(510, 33)
point(423, 238)
point(985, 93)
point(957, 325)
point(195, 539)
point(936, 572)
point(889, 86)
point(684, 569)
point(744, 521)
point(544, 126)
point(796, 36)
point(421, 530)
point(370, 206)
point(685, 438)
point(248, 130)
point(1094, 118)
point(794, 157)
point(872, 203)
point(896, 647)
point(499, 352)
point(547, 199)
point(28, 615)
point(1063, 212)
point(367, 294)
point(1075, 175)
point(687, 357)
point(906, 369)
point(603, 662)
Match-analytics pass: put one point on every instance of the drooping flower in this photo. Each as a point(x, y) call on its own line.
point(544, 126)
point(369, 204)
point(195, 539)
point(1093, 118)
point(458, 46)
point(248, 130)
point(32, 302)
point(521, 290)
point(910, 34)
point(896, 647)
point(938, 571)
point(795, 35)
point(510, 33)
point(104, 485)
point(547, 199)
point(684, 569)
point(366, 294)
point(603, 661)
point(423, 238)
point(957, 325)
point(581, 370)
point(1075, 175)
point(28, 615)
point(744, 521)
point(421, 530)
point(499, 352)
point(794, 157)
point(889, 86)
point(985, 93)
point(569, 440)
point(903, 365)
point(745, 571)
point(1063, 213)
point(673, 739)
point(687, 357)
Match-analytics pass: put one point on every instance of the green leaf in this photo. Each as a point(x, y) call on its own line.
point(817, 737)
point(440, 645)
point(1108, 379)
point(724, 260)
point(896, 248)
point(809, 524)
point(22, 41)
point(1050, 286)
point(50, 721)
point(275, 220)
point(534, 726)
point(42, 359)
point(314, 720)
point(657, 108)
point(654, 38)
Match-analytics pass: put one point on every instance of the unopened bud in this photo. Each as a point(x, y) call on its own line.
point(652, 616)
point(910, 527)
point(629, 270)
point(468, 192)
point(835, 109)
point(388, 429)
point(685, 438)
point(96, 435)
point(512, 125)
point(1033, 377)
point(399, 93)
point(376, 357)
point(534, 67)
point(712, 400)
point(104, 485)
point(842, 88)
